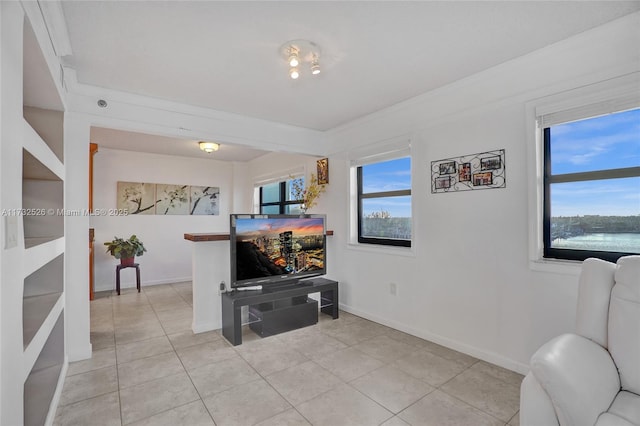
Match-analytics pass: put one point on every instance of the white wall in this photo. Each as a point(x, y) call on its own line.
point(169, 255)
point(467, 281)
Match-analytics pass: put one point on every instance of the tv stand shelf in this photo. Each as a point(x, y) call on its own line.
point(276, 310)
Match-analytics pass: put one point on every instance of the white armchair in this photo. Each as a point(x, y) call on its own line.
point(592, 376)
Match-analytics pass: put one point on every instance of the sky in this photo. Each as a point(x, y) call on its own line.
point(607, 142)
point(258, 226)
point(390, 175)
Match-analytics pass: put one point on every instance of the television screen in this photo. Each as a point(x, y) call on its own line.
point(267, 249)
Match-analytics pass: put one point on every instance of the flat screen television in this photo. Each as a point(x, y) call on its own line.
point(271, 249)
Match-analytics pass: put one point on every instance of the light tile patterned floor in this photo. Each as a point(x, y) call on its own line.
point(148, 368)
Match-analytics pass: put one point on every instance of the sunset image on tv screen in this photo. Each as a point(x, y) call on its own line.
point(278, 246)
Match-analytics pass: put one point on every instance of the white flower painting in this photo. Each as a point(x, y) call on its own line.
point(172, 199)
point(205, 200)
point(168, 199)
point(137, 197)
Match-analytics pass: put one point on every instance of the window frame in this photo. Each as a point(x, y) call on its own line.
point(282, 203)
point(548, 252)
point(360, 196)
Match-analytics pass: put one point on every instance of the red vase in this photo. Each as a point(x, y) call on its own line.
point(129, 261)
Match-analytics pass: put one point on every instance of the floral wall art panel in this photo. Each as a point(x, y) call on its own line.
point(172, 199)
point(137, 197)
point(485, 170)
point(205, 200)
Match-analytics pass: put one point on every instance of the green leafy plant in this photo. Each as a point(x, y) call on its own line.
point(123, 249)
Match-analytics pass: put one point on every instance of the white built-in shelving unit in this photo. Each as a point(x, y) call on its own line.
point(42, 229)
point(43, 284)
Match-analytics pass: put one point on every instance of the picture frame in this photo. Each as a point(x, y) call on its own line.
point(483, 170)
point(322, 166)
point(443, 182)
point(483, 179)
point(490, 163)
point(464, 172)
point(448, 168)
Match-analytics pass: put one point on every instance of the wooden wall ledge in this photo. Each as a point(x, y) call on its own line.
point(215, 237)
point(206, 237)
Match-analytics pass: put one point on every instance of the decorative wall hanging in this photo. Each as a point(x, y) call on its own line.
point(204, 200)
point(167, 199)
point(137, 197)
point(172, 199)
point(485, 170)
point(323, 171)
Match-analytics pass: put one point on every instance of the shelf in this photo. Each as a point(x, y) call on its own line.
point(36, 241)
point(49, 125)
point(42, 201)
point(42, 381)
point(35, 311)
point(39, 251)
point(40, 151)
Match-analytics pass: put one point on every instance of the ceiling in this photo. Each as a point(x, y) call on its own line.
point(133, 141)
point(225, 55)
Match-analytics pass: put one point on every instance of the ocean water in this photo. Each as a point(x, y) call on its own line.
point(627, 243)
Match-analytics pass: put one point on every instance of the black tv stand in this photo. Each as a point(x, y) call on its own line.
point(274, 310)
point(286, 286)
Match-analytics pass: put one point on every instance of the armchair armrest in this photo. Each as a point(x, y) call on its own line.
point(535, 406)
point(578, 375)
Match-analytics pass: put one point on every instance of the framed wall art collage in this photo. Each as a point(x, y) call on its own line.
point(168, 199)
point(485, 170)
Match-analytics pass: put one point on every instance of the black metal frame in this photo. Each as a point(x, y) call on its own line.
point(549, 178)
point(283, 199)
point(361, 196)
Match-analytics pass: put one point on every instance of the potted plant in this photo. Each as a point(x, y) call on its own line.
point(125, 250)
point(308, 195)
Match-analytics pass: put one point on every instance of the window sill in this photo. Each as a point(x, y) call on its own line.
point(383, 249)
point(564, 267)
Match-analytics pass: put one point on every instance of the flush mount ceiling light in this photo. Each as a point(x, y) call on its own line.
point(299, 53)
point(209, 147)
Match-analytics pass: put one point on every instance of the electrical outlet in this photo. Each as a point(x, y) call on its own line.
point(393, 289)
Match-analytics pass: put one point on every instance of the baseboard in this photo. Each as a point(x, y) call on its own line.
point(55, 401)
point(79, 353)
point(205, 326)
point(144, 283)
point(482, 354)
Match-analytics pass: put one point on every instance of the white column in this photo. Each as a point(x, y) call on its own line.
point(76, 257)
point(210, 263)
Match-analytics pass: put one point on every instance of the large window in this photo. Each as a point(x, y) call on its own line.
point(384, 202)
point(592, 187)
point(277, 198)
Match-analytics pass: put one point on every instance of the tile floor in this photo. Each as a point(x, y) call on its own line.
point(148, 368)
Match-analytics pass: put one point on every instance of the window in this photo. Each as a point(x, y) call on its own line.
point(277, 198)
point(384, 202)
point(592, 187)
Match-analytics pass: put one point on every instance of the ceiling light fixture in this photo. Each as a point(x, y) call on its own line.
point(293, 57)
point(209, 147)
point(298, 53)
point(315, 67)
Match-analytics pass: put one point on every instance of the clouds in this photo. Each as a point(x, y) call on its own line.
point(610, 141)
point(612, 197)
